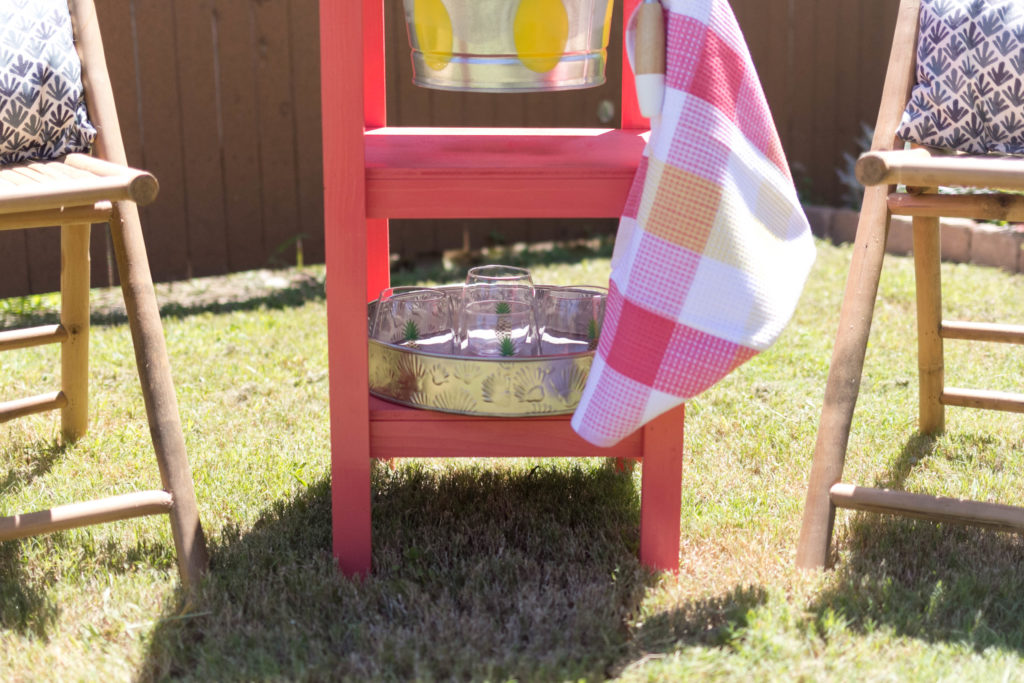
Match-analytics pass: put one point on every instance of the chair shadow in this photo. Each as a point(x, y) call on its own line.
point(24, 605)
point(926, 580)
point(30, 462)
point(478, 573)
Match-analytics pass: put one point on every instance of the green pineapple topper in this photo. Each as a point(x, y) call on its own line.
point(506, 346)
point(501, 309)
point(593, 332)
point(410, 333)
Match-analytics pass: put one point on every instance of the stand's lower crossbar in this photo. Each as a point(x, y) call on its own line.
point(91, 512)
point(932, 508)
point(32, 336)
point(21, 407)
point(982, 398)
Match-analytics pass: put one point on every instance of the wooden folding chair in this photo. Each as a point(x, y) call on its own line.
point(887, 165)
point(73, 193)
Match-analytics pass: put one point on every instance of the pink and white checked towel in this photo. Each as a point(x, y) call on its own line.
point(713, 248)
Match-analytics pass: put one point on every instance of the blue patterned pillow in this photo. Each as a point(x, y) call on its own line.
point(970, 72)
point(42, 108)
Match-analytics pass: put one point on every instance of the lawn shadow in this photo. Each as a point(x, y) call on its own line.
point(180, 300)
point(710, 622)
point(27, 462)
point(936, 582)
point(479, 572)
point(24, 605)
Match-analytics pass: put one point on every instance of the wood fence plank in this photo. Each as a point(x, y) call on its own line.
point(243, 190)
point(846, 111)
point(203, 178)
point(276, 138)
point(305, 42)
point(823, 162)
point(120, 42)
point(43, 256)
point(165, 227)
point(802, 126)
point(101, 268)
point(878, 21)
point(14, 257)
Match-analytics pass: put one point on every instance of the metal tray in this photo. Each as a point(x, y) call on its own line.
point(495, 387)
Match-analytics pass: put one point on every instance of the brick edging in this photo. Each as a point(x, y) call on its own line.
point(963, 240)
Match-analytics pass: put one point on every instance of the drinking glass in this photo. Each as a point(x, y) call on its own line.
point(570, 318)
point(497, 328)
point(498, 283)
point(417, 317)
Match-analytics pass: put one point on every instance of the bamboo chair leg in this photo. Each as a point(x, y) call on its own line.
point(74, 317)
point(660, 491)
point(932, 414)
point(844, 377)
point(158, 391)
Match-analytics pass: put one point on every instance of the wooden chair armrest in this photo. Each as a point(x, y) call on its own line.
point(143, 186)
point(925, 168)
point(78, 181)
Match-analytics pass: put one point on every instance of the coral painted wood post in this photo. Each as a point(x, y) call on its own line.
point(373, 173)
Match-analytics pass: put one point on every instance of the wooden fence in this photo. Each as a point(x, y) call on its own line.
point(220, 100)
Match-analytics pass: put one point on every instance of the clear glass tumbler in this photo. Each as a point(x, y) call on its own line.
point(570, 318)
point(420, 318)
point(498, 283)
point(497, 328)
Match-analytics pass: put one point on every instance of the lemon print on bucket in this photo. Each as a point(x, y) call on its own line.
point(541, 29)
point(433, 32)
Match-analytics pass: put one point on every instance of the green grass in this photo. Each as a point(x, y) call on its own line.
point(498, 570)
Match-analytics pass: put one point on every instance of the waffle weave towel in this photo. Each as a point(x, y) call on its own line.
point(712, 250)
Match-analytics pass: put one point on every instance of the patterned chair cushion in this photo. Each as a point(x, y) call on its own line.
point(42, 108)
point(970, 72)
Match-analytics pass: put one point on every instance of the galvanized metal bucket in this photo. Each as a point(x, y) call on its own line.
point(508, 45)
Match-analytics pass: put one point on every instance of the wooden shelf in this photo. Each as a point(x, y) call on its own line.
point(397, 431)
point(500, 172)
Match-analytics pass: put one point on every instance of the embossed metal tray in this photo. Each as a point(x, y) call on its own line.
point(496, 387)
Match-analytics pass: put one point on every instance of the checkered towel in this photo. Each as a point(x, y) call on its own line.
point(713, 248)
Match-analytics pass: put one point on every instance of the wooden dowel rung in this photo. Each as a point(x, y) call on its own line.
point(919, 168)
point(990, 207)
point(32, 336)
point(85, 514)
point(21, 407)
point(100, 212)
point(990, 332)
point(983, 398)
point(932, 508)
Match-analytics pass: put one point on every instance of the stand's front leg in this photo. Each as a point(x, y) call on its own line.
point(661, 471)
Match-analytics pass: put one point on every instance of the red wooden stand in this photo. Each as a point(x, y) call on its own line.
point(373, 173)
